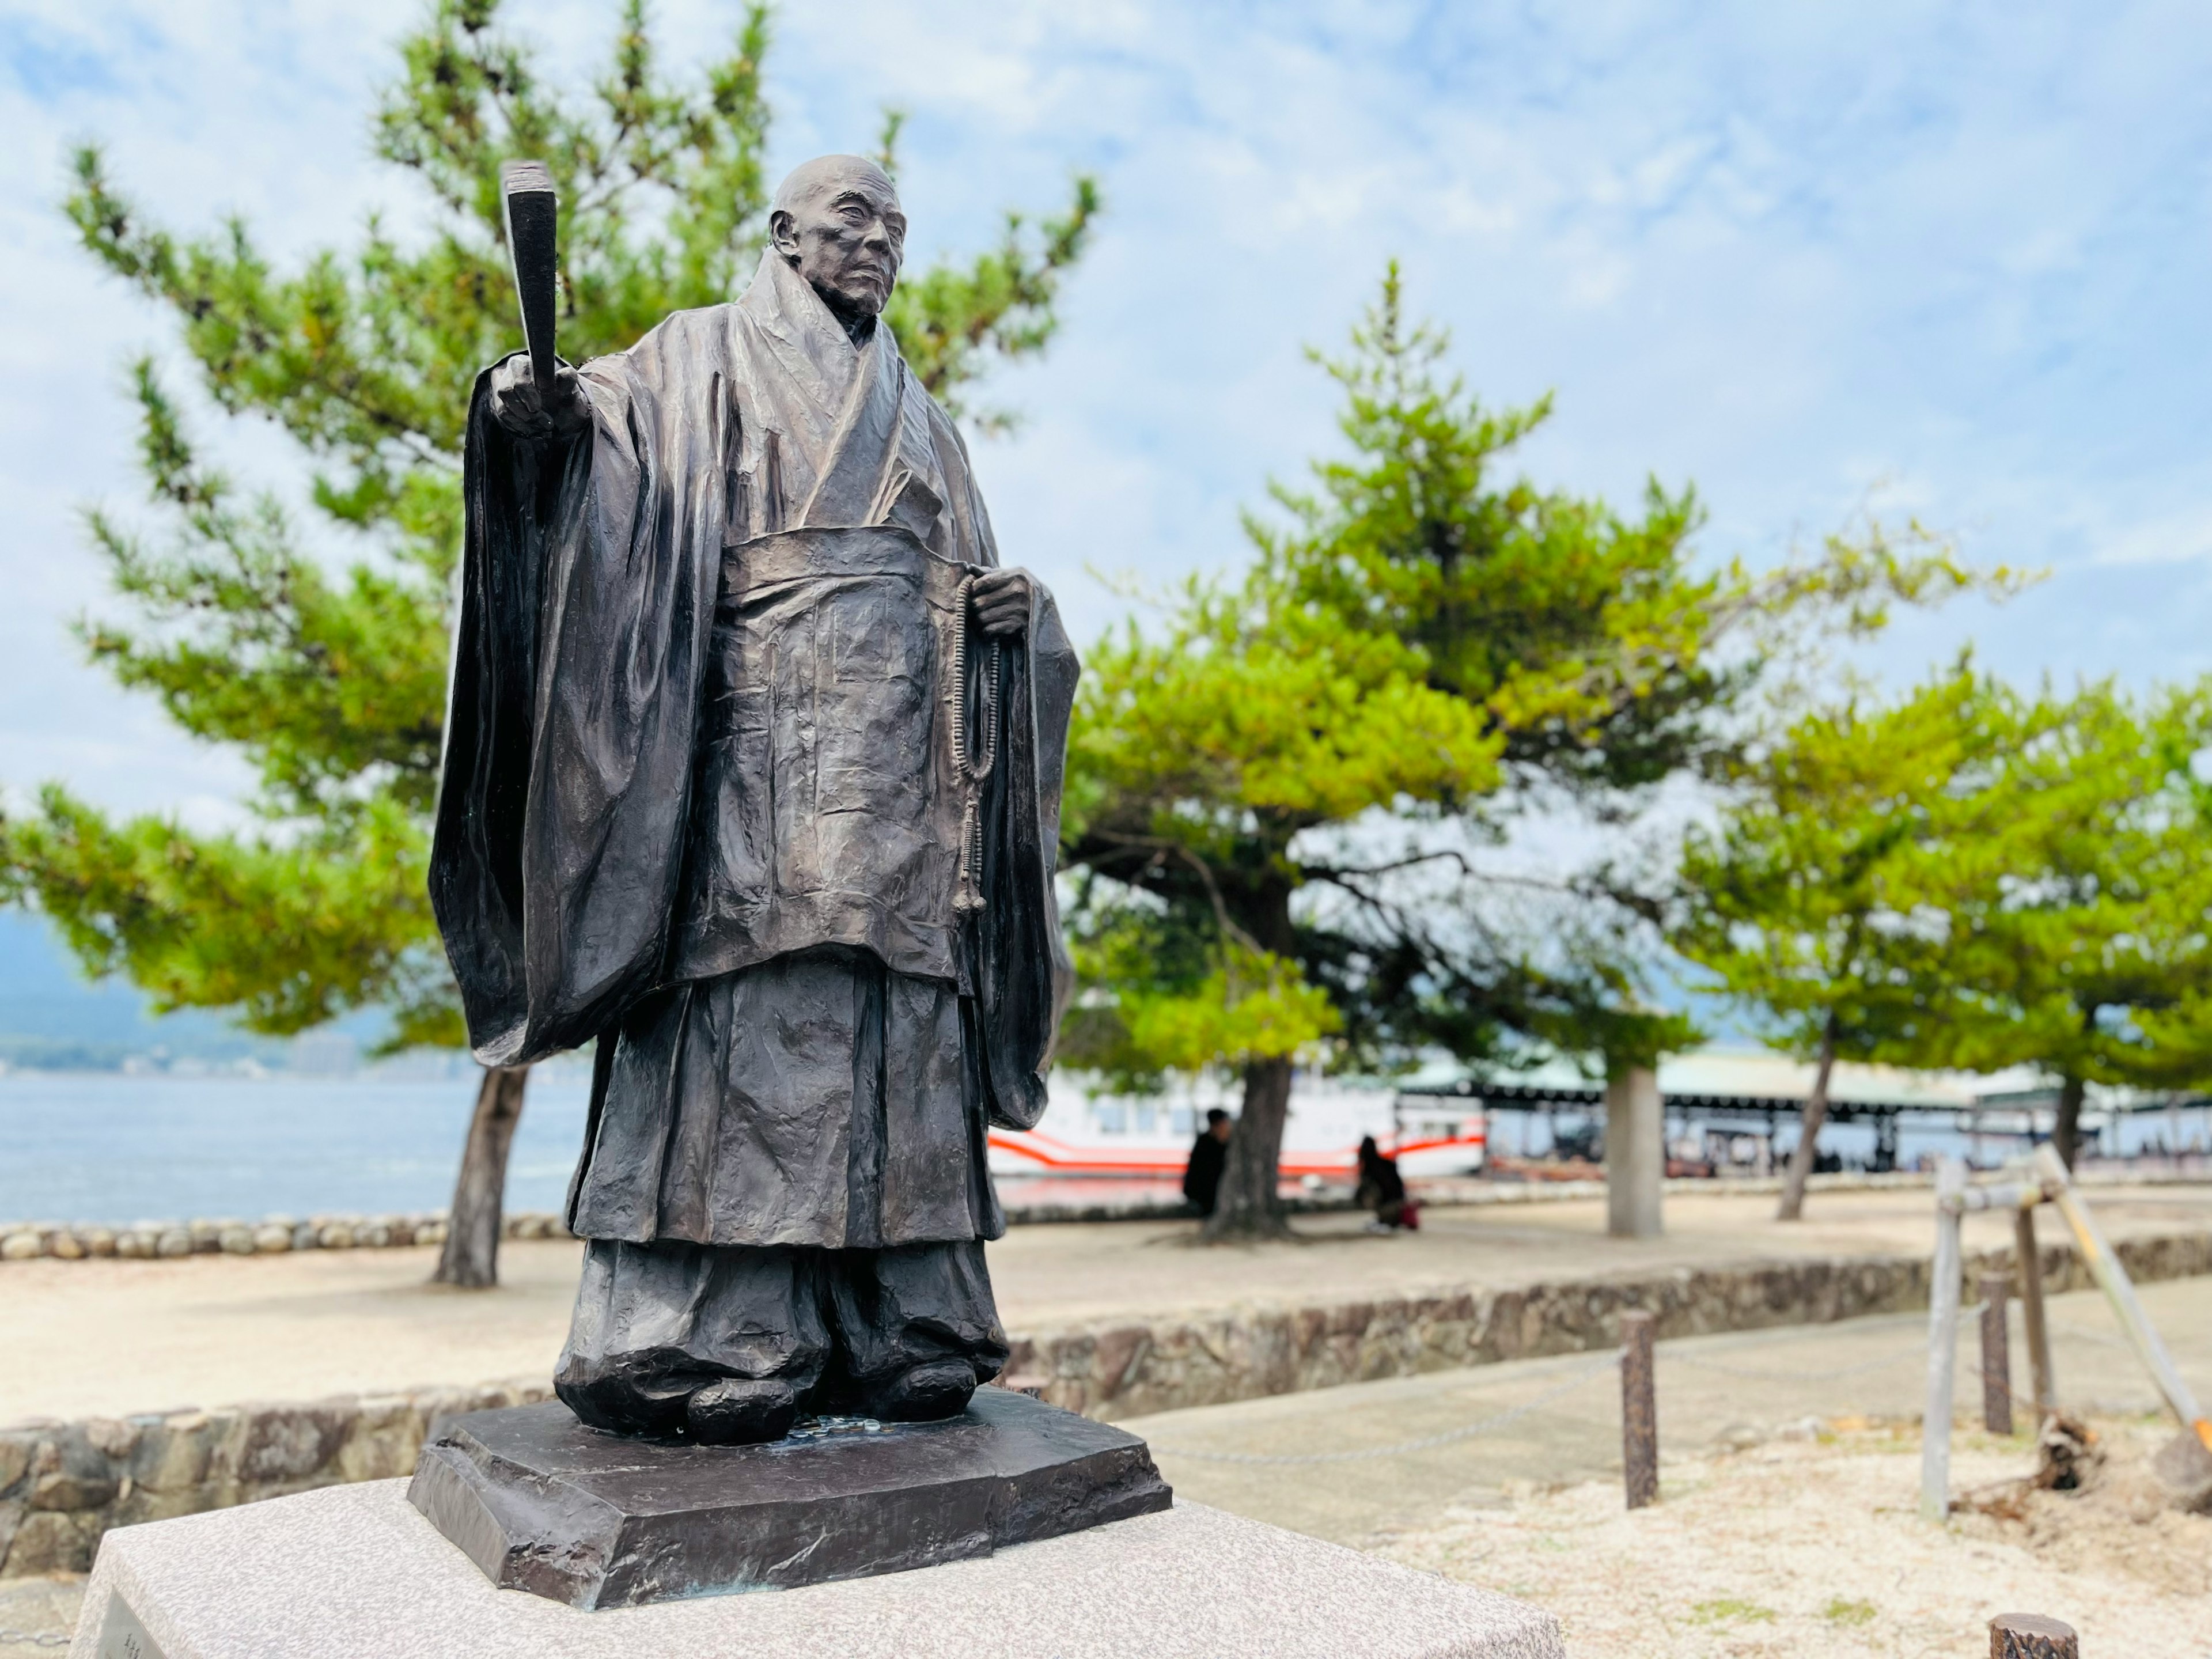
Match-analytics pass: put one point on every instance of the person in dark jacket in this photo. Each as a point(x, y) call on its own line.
point(1209, 1156)
point(1383, 1190)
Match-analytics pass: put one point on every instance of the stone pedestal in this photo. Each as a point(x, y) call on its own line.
point(356, 1572)
point(542, 1503)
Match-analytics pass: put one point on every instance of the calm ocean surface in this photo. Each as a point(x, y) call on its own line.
point(98, 1147)
point(102, 1148)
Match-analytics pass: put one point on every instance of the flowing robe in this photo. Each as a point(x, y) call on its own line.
point(711, 797)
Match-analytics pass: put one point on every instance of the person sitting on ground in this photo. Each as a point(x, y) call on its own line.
point(1209, 1156)
point(1383, 1190)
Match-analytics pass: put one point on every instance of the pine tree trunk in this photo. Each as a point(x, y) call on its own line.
point(2066, 1134)
point(1792, 1208)
point(470, 1256)
point(1249, 1205)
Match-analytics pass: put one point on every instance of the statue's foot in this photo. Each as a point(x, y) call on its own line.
point(739, 1412)
point(923, 1394)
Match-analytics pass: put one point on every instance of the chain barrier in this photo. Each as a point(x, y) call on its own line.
point(2103, 1338)
point(1825, 1373)
point(1752, 1376)
point(1611, 1362)
point(1914, 1350)
point(2027, 1402)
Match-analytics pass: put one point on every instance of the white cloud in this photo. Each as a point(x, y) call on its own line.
point(1781, 251)
point(2177, 537)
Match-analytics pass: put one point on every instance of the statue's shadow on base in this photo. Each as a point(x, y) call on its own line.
point(540, 1503)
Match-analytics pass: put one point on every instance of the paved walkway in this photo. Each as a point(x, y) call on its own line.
point(1745, 1385)
point(113, 1337)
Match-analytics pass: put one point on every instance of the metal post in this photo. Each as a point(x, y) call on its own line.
point(2027, 1257)
point(2029, 1635)
point(1942, 1344)
point(1639, 1411)
point(1996, 1355)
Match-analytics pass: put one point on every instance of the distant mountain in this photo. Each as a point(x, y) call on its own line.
point(53, 1018)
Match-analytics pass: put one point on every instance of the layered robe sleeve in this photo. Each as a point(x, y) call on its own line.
point(1024, 977)
point(588, 575)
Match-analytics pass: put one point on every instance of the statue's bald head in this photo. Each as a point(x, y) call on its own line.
point(836, 220)
point(825, 175)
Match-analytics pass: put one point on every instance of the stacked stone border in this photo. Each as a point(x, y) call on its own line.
point(29, 1241)
point(273, 1235)
point(62, 1484)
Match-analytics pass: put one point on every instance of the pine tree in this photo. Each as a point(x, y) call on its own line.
point(1809, 903)
point(1971, 878)
point(1284, 778)
point(2078, 930)
point(318, 649)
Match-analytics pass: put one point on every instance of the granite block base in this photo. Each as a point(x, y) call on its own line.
point(356, 1572)
point(540, 1503)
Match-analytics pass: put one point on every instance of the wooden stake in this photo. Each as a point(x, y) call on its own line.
point(1639, 1411)
point(1996, 1355)
point(2028, 1635)
point(2120, 1293)
point(1942, 1344)
point(2027, 1257)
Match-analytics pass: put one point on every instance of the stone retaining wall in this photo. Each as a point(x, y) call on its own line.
point(1122, 1369)
point(62, 1484)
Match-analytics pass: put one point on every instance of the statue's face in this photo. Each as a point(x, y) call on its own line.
point(846, 237)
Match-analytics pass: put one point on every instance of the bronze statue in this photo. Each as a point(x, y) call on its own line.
point(752, 775)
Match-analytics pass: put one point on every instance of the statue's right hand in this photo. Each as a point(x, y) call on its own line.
point(516, 402)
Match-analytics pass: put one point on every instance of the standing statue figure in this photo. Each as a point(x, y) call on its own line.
point(752, 775)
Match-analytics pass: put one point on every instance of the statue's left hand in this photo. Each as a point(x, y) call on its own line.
point(1001, 599)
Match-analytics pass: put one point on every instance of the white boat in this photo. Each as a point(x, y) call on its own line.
point(1086, 1134)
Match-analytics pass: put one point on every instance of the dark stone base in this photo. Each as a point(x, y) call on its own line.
point(541, 1504)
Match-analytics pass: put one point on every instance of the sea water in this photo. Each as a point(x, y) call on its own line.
point(91, 1146)
point(105, 1148)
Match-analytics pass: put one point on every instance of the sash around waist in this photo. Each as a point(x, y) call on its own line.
point(828, 804)
point(755, 570)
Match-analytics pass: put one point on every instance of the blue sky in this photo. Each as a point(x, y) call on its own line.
point(1956, 256)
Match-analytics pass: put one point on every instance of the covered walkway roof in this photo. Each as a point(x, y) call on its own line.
point(1760, 1080)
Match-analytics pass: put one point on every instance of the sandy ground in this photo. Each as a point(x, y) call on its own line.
point(1713, 1391)
point(1816, 1547)
point(1791, 1467)
point(116, 1337)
